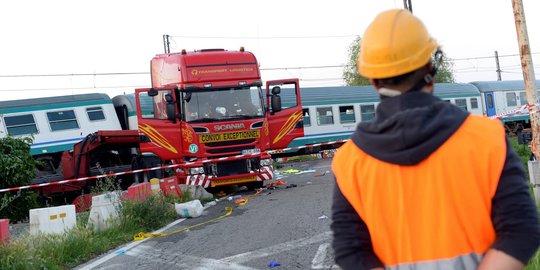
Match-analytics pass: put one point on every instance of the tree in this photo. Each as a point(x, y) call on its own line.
point(444, 65)
point(350, 72)
point(17, 168)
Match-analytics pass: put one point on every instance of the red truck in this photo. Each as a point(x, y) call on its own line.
point(208, 110)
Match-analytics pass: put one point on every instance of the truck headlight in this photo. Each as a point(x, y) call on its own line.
point(266, 162)
point(196, 170)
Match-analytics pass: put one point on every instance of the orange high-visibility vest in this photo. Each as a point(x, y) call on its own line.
point(437, 212)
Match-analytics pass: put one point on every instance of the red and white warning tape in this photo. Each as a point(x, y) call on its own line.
point(518, 110)
point(87, 178)
point(183, 165)
point(306, 146)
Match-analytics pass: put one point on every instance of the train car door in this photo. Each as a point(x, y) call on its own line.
point(490, 103)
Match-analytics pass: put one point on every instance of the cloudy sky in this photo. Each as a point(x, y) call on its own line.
point(308, 39)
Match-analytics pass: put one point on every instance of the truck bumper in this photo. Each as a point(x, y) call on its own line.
point(264, 173)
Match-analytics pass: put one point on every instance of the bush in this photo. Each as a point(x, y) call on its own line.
point(17, 168)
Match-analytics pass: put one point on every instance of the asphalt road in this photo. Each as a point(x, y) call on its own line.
point(289, 226)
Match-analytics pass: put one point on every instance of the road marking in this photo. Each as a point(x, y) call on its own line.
point(320, 256)
point(153, 254)
point(126, 248)
point(268, 251)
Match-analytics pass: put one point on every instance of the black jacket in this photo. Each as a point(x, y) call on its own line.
point(405, 131)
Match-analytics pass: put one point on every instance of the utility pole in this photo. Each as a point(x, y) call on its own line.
point(528, 74)
point(166, 44)
point(498, 66)
point(407, 5)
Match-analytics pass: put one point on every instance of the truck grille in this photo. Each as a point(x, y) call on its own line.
point(230, 147)
point(232, 168)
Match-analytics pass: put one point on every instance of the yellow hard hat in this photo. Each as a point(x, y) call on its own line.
point(395, 43)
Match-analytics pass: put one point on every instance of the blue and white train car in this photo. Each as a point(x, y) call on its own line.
point(56, 123)
point(500, 97)
point(332, 113)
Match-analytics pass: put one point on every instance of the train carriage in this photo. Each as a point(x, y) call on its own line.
point(332, 113)
point(500, 97)
point(56, 123)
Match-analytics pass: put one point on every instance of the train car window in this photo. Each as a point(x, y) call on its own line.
point(346, 114)
point(474, 103)
point(95, 113)
point(325, 116)
point(62, 120)
point(307, 118)
point(462, 103)
point(511, 99)
point(523, 98)
point(367, 112)
point(20, 124)
point(489, 101)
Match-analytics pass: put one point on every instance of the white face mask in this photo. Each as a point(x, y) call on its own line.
point(388, 92)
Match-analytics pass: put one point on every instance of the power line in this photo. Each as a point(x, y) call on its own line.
point(74, 74)
point(73, 88)
point(267, 37)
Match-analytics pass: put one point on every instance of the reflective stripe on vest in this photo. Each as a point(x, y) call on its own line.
point(436, 210)
point(465, 262)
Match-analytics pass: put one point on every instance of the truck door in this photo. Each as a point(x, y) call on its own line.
point(285, 119)
point(157, 112)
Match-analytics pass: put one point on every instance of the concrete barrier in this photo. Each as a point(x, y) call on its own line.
point(154, 185)
point(169, 187)
point(4, 231)
point(52, 219)
point(139, 192)
point(104, 211)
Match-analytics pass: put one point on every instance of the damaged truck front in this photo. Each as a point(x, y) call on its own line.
point(207, 112)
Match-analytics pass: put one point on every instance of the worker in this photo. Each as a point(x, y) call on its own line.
point(426, 185)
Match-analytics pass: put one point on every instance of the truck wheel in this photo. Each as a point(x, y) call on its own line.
point(255, 185)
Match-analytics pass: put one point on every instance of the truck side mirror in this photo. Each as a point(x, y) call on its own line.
point(171, 113)
point(152, 92)
point(276, 90)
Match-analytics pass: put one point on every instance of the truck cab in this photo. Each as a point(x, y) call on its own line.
point(208, 113)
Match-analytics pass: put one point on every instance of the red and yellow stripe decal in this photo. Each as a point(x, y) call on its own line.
point(156, 137)
point(288, 126)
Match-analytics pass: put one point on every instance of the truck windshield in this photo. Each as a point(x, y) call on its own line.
point(223, 104)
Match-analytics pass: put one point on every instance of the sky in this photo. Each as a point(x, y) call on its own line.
point(96, 40)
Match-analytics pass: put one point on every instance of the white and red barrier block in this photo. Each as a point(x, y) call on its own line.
point(139, 192)
point(4, 231)
point(52, 219)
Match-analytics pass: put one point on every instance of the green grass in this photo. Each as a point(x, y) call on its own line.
point(65, 251)
point(534, 263)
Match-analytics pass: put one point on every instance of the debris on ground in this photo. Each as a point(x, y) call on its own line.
point(323, 217)
point(273, 264)
point(291, 186)
point(189, 209)
point(276, 183)
point(306, 171)
point(290, 171)
point(321, 174)
point(309, 183)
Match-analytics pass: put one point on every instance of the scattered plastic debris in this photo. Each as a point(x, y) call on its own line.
point(321, 174)
point(306, 171)
point(291, 171)
point(291, 186)
point(309, 183)
point(273, 264)
point(208, 204)
point(189, 209)
point(120, 251)
point(276, 183)
point(323, 217)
